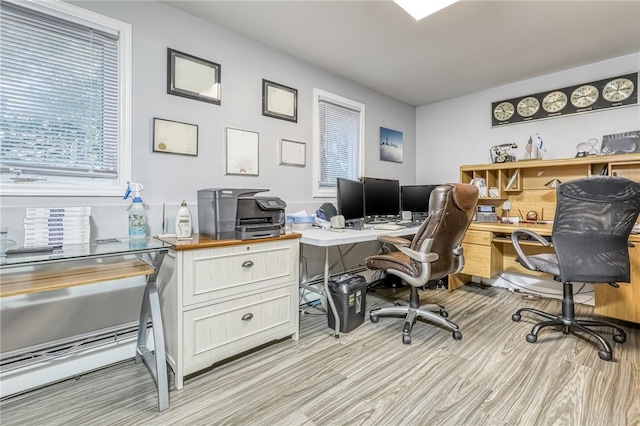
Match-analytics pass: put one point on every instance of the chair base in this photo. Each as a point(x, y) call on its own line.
point(570, 325)
point(413, 313)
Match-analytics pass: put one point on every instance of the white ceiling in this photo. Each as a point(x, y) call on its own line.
point(470, 46)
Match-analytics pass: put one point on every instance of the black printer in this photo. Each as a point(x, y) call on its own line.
point(227, 213)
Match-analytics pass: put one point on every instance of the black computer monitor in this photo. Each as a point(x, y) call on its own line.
point(415, 198)
point(381, 197)
point(350, 198)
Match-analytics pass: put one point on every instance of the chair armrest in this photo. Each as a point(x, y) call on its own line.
point(419, 256)
point(516, 245)
point(396, 241)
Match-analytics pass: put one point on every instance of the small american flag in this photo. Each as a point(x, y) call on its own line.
point(529, 145)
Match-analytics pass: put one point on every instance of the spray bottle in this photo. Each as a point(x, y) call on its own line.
point(137, 213)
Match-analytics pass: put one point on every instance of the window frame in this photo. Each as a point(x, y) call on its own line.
point(319, 94)
point(84, 186)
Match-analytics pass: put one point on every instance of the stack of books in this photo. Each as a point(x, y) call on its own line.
point(56, 226)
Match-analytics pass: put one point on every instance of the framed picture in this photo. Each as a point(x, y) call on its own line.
point(293, 153)
point(391, 145)
point(192, 77)
point(279, 101)
point(175, 137)
point(242, 152)
point(621, 143)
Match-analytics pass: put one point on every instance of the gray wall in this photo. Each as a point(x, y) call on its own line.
point(458, 131)
point(172, 178)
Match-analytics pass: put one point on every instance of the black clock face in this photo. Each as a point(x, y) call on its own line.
point(586, 97)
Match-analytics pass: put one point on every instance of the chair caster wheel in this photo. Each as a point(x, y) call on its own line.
point(515, 317)
point(620, 338)
point(604, 355)
point(406, 339)
point(444, 313)
point(532, 338)
point(457, 335)
point(374, 318)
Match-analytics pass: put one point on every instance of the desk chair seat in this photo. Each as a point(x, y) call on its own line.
point(434, 252)
point(593, 220)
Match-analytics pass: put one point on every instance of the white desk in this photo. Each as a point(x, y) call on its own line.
point(327, 238)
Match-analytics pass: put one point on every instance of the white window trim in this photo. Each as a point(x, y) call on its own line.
point(85, 17)
point(317, 95)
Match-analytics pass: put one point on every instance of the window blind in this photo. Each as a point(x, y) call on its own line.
point(59, 103)
point(339, 129)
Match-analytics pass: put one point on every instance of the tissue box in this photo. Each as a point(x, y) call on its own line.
point(300, 222)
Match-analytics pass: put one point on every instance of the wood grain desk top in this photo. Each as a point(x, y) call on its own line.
point(198, 242)
point(542, 229)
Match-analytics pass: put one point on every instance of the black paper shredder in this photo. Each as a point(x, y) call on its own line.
point(349, 293)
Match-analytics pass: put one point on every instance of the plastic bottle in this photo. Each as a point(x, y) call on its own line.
point(183, 222)
point(137, 213)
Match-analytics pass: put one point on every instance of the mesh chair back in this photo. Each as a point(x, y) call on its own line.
point(593, 220)
point(451, 208)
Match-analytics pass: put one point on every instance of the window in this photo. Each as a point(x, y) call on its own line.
point(65, 79)
point(338, 137)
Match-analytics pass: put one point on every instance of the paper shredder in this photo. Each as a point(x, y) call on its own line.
point(349, 293)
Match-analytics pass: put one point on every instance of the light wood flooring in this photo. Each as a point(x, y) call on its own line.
point(490, 377)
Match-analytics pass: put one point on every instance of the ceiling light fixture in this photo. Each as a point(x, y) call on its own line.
point(422, 8)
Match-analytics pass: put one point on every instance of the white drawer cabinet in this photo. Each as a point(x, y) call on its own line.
point(220, 301)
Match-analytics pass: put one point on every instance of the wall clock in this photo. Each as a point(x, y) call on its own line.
point(618, 89)
point(554, 101)
point(503, 111)
point(585, 97)
point(528, 106)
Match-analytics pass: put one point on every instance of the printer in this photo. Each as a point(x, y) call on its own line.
point(226, 213)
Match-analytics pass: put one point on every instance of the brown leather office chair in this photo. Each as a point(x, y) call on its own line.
point(593, 220)
point(434, 253)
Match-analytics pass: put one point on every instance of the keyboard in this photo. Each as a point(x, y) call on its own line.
point(387, 227)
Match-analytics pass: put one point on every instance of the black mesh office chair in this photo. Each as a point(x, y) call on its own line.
point(593, 220)
point(434, 253)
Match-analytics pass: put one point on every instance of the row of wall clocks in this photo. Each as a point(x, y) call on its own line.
point(596, 95)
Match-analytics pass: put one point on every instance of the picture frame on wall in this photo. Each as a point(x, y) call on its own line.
point(242, 152)
point(293, 153)
point(391, 145)
point(279, 101)
point(174, 137)
point(621, 143)
point(192, 77)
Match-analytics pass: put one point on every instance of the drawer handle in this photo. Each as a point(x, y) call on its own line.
point(247, 264)
point(247, 317)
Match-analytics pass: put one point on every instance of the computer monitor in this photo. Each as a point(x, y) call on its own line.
point(350, 198)
point(415, 198)
point(381, 197)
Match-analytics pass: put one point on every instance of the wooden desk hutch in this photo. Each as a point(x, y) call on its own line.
point(488, 250)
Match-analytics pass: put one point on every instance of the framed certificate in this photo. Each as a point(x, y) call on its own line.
point(192, 77)
point(174, 137)
point(279, 101)
point(293, 153)
point(242, 152)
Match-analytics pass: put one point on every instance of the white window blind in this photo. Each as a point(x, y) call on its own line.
point(339, 141)
point(59, 109)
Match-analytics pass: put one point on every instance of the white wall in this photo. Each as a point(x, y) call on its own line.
point(458, 131)
point(172, 178)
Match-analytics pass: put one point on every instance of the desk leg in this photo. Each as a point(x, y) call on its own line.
point(457, 280)
point(332, 305)
point(156, 364)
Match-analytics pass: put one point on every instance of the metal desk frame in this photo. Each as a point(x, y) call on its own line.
point(327, 239)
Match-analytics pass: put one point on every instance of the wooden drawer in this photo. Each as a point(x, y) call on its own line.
point(477, 237)
point(218, 331)
point(477, 260)
point(222, 272)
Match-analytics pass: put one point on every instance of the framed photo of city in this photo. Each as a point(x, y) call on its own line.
point(391, 148)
